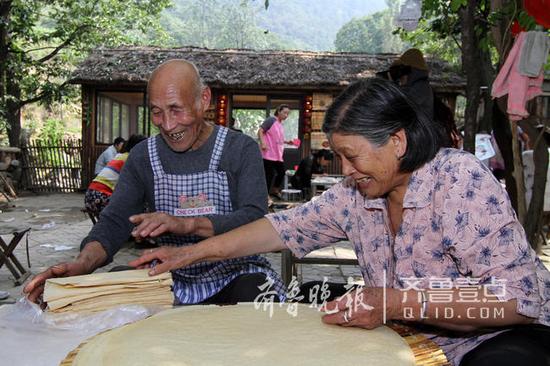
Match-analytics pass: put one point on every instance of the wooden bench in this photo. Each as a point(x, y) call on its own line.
point(290, 263)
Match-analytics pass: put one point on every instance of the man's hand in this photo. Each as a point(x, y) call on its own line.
point(35, 288)
point(158, 223)
point(164, 259)
point(91, 257)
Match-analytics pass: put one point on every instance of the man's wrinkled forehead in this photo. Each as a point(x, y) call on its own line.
point(181, 72)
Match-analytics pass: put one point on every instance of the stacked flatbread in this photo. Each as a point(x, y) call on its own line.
point(100, 291)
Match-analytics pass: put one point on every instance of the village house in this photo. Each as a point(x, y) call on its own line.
point(243, 82)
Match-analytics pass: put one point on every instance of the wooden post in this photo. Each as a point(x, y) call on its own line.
point(518, 173)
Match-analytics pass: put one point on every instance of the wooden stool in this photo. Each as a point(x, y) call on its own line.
point(92, 215)
point(19, 272)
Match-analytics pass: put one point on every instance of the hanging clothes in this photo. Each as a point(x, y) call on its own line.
point(534, 53)
point(519, 88)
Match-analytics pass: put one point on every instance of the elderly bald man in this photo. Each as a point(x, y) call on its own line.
point(199, 180)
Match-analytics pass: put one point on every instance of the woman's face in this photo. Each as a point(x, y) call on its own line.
point(374, 169)
point(283, 114)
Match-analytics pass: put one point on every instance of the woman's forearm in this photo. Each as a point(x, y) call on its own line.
point(261, 138)
point(456, 313)
point(254, 238)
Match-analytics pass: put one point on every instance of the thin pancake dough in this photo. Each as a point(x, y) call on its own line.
point(243, 335)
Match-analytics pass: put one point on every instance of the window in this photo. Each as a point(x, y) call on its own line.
point(248, 120)
point(250, 111)
point(120, 114)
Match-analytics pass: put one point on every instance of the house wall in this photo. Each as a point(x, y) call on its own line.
point(309, 122)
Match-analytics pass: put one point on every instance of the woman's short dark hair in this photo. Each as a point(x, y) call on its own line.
point(280, 108)
point(323, 153)
point(376, 109)
point(132, 141)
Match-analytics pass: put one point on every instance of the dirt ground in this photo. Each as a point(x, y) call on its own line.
point(40, 211)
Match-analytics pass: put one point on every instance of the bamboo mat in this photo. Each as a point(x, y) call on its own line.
point(425, 351)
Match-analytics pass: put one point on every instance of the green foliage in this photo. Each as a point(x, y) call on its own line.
point(439, 32)
point(312, 25)
point(526, 21)
point(46, 38)
point(432, 43)
point(370, 34)
point(218, 24)
point(249, 120)
point(281, 24)
point(457, 4)
point(52, 130)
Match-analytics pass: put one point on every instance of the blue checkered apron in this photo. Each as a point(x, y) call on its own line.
point(200, 281)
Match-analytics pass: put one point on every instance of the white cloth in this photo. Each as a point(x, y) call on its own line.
point(534, 53)
point(104, 158)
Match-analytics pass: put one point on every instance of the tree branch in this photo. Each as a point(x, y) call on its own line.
point(37, 49)
point(64, 44)
point(36, 98)
point(31, 100)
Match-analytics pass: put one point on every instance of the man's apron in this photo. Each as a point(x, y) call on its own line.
point(200, 194)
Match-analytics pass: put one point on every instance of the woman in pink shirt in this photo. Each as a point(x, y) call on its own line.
point(437, 240)
point(271, 137)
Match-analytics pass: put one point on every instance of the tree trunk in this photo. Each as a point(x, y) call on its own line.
point(534, 217)
point(487, 74)
point(518, 173)
point(10, 91)
point(470, 66)
point(503, 136)
point(13, 109)
point(5, 7)
point(533, 220)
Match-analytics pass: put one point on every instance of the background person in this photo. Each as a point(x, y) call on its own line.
point(424, 221)
point(107, 155)
point(411, 72)
point(101, 189)
point(315, 163)
point(271, 136)
point(198, 178)
point(233, 124)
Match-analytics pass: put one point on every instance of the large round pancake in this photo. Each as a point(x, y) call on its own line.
point(243, 335)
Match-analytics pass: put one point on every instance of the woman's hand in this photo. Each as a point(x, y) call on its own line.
point(158, 223)
point(364, 308)
point(164, 259)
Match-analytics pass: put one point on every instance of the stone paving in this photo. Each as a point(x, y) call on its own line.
point(58, 226)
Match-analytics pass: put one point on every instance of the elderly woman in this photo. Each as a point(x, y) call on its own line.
point(436, 238)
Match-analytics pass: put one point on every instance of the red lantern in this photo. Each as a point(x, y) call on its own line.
point(516, 28)
point(539, 10)
point(221, 107)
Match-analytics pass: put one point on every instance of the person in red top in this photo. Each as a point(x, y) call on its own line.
point(100, 190)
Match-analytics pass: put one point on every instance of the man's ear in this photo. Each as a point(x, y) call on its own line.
point(399, 141)
point(206, 96)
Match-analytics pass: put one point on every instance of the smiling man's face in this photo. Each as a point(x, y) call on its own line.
point(177, 102)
